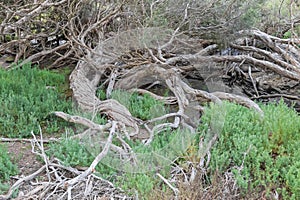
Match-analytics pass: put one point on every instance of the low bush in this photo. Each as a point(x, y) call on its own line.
point(261, 153)
point(27, 98)
point(140, 106)
point(7, 169)
point(74, 152)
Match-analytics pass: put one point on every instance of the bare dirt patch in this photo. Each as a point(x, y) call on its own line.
point(22, 156)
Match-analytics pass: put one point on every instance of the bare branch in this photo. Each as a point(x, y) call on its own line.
point(98, 158)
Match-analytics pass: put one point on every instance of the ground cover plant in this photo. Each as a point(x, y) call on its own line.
point(27, 98)
point(199, 51)
point(72, 152)
point(75, 152)
point(141, 106)
point(261, 153)
point(28, 95)
point(7, 169)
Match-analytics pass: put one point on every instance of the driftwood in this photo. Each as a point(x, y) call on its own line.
point(136, 75)
point(59, 185)
point(138, 66)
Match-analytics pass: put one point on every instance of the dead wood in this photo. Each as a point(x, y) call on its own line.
point(21, 181)
point(139, 68)
point(136, 75)
point(96, 161)
point(60, 184)
point(60, 31)
point(141, 60)
point(80, 120)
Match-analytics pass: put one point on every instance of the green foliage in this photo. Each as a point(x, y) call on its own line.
point(101, 94)
point(261, 153)
point(296, 33)
point(143, 184)
point(7, 169)
point(157, 18)
point(71, 152)
point(165, 147)
point(145, 107)
point(3, 187)
point(27, 97)
point(251, 16)
point(287, 35)
point(140, 106)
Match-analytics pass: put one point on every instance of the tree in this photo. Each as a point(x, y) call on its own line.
point(136, 45)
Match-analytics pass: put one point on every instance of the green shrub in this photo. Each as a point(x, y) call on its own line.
point(141, 184)
point(70, 152)
point(140, 106)
point(7, 169)
point(101, 94)
point(74, 152)
point(261, 153)
point(27, 97)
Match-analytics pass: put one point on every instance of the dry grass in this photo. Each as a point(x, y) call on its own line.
point(220, 187)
